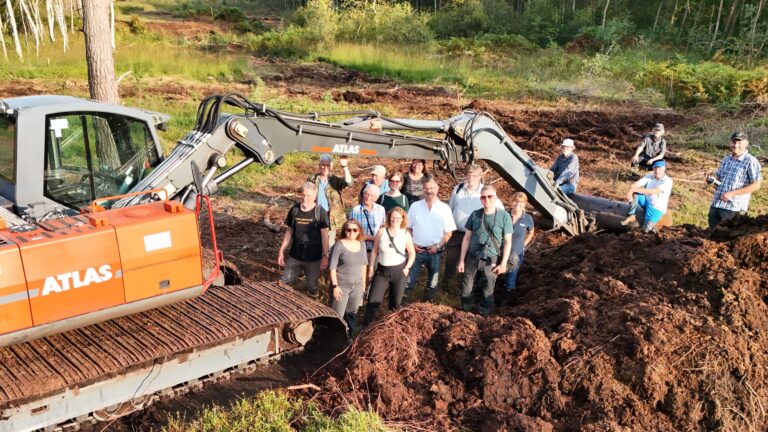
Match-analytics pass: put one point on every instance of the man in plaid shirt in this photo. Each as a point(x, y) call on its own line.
point(369, 214)
point(736, 178)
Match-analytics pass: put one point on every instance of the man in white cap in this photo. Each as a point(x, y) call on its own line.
point(652, 148)
point(566, 168)
point(378, 179)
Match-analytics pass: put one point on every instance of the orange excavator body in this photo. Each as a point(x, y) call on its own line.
point(71, 267)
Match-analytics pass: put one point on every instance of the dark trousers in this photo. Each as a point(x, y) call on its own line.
point(472, 265)
point(452, 252)
point(386, 277)
point(717, 215)
point(432, 263)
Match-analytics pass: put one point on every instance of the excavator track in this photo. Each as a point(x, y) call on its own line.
point(111, 368)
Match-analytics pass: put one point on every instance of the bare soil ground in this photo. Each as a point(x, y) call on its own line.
point(608, 332)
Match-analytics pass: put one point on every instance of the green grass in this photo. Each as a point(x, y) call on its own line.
point(143, 56)
point(276, 412)
point(548, 74)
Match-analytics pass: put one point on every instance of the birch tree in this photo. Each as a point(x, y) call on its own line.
point(2, 37)
point(14, 29)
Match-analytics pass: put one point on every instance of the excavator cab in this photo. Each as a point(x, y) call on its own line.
point(92, 155)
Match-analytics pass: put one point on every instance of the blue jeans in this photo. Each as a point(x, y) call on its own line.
point(568, 188)
point(510, 282)
point(432, 262)
point(652, 215)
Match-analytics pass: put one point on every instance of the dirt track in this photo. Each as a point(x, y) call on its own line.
point(627, 332)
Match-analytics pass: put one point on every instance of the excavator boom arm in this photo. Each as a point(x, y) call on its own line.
point(266, 135)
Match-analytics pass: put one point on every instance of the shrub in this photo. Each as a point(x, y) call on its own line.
point(686, 84)
point(318, 21)
point(292, 42)
point(384, 23)
point(462, 18)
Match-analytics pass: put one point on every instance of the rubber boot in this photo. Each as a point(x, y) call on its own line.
point(370, 312)
point(486, 306)
point(351, 319)
point(466, 304)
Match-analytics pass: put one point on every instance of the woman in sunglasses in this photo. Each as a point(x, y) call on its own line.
point(347, 270)
point(394, 198)
point(394, 252)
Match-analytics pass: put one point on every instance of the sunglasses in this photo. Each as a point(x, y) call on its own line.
point(395, 181)
point(482, 197)
point(352, 230)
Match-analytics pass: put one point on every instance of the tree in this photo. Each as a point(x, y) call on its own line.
point(102, 84)
point(98, 51)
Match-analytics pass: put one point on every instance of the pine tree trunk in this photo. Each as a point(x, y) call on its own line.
point(98, 51)
point(112, 22)
point(14, 29)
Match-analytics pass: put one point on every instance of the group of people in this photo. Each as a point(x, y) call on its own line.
point(400, 225)
point(398, 228)
point(738, 175)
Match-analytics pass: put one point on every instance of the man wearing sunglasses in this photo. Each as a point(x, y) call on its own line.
point(488, 237)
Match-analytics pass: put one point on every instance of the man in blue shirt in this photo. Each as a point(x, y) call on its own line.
point(737, 177)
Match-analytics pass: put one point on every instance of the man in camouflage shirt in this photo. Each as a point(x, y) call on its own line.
point(329, 189)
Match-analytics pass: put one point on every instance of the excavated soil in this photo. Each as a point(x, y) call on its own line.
point(607, 333)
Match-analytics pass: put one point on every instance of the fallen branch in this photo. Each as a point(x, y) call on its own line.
point(302, 387)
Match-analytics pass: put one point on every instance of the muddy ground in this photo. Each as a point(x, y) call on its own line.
point(607, 333)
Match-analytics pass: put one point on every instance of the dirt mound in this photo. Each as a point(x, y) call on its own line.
point(608, 332)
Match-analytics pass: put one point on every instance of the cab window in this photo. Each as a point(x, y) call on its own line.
point(94, 155)
point(8, 148)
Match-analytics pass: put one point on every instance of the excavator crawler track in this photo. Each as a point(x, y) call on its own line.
point(94, 369)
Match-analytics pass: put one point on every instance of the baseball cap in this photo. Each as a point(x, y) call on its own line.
point(568, 143)
point(658, 127)
point(378, 169)
point(659, 163)
point(738, 136)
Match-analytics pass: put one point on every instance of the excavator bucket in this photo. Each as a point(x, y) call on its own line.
point(608, 214)
point(604, 213)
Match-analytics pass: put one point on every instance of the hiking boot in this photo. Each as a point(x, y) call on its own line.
point(630, 219)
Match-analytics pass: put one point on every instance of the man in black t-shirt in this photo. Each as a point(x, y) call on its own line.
point(307, 237)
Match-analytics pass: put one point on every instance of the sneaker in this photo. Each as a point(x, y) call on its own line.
point(630, 219)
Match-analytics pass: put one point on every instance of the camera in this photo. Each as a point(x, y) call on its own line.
point(713, 180)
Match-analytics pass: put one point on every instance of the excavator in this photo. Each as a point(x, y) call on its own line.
point(108, 299)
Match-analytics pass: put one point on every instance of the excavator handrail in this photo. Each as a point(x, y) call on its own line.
point(217, 254)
